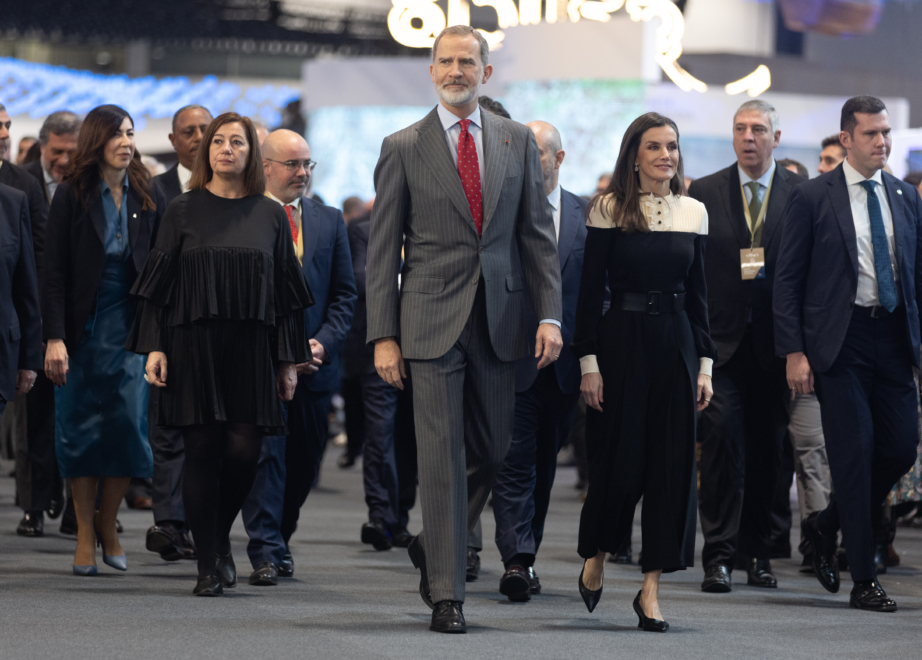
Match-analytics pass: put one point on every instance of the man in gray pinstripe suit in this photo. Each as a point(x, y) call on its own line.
point(463, 193)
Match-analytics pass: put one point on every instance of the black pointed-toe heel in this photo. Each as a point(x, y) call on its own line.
point(648, 624)
point(590, 597)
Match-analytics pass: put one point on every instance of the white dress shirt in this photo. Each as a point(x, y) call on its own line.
point(554, 199)
point(50, 184)
point(764, 181)
point(184, 177)
point(858, 197)
point(451, 124)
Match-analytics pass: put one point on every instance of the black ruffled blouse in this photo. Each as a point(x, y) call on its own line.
point(222, 295)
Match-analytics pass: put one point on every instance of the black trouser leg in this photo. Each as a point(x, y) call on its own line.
point(405, 452)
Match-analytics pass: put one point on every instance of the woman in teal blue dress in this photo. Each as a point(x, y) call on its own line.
point(102, 221)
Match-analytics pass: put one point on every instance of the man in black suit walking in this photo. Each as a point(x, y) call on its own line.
point(38, 486)
point(169, 536)
point(743, 428)
point(545, 400)
point(20, 319)
point(847, 285)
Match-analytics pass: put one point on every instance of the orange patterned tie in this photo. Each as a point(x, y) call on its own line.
point(290, 212)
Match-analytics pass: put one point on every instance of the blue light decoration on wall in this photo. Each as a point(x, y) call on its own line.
point(37, 90)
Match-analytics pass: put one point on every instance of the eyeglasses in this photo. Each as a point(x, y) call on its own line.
point(293, 165)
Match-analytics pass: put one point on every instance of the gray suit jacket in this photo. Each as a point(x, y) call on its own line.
point(421, 205)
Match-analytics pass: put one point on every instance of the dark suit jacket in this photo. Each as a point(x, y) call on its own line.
point(730, 298)
point(570, 246)
point(75, 256)
point(816, 279)
point(17, 177)
point(169, 183)
point(20, 322)
point(35, 169)
point(327, 267)
point(359, 356)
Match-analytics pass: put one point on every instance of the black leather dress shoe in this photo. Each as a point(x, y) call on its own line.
point(646, 623)
point(716, 579)
point(375, 534)
point(32, 524)
point(164, 540)
point(806, 566)
point(825, 566)
point(623, 555)
point(590, 596)
point(473, 565)
point(515, 584)
point(418, 557)
point(759, 574)
point(55, 507)
point(401, 537)
point(188, 547)
point(447, 617)
point(533, 581)
point(208, 586)
point(226, 570)
point(880, 558)
point(345, 461)
point(870, 596)
point(287, 567)
point(265, 575)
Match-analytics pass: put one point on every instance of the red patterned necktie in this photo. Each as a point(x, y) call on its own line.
point(290, 212)
point(469, 171)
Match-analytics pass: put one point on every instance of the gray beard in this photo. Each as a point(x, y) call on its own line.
point(460, 98)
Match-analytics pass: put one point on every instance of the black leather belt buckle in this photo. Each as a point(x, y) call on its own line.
point(653, 302)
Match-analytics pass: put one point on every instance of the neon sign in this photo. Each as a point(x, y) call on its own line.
point(433, 20)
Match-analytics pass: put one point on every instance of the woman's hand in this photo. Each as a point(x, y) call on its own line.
point(286, 378)
point(56, 362)
point(705, 391)
point(591, 387)
point(156, 369)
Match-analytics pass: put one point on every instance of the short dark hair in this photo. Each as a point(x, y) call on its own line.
point(830, 141)
point(495, 107)
point(866, 105)
point(913, 179)
point(193, 106)
point(788, 162)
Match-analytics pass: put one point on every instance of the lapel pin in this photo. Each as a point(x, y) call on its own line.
point(507, 141)
point(899, 192)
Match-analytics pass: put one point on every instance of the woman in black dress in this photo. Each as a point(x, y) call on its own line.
point(221, 319)
point(646, 363)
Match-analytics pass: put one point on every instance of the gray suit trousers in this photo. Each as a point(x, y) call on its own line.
point(806, 430)
point(463, 404)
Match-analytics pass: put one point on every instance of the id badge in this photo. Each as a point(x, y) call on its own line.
point(752, 263)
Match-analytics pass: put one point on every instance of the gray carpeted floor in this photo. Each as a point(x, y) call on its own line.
point(348, 601)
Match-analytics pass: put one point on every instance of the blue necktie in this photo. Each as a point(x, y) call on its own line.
point(886, 287)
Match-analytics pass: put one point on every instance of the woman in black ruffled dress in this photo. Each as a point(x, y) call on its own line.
point(221, 319)
point(646, 362)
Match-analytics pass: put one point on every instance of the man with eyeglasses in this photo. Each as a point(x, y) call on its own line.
point(288, 465)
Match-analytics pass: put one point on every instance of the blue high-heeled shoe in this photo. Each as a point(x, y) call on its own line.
point(118, 562)
point(85, 570)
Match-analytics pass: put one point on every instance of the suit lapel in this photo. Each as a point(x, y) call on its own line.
point(6, 173)
point(135, 226)
point(495, 153)
point(777, 202)
point(310, 228)
point(98, 216)
point(569, 226)
point(842, 207)
point(434, 151)
point(730, 193)
point(900, 223)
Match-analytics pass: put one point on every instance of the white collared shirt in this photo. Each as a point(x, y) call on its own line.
point(451, 124)
point(184, 177)
point(50, 184)
point(764, 181)
point(554, 200)
point(858, 197)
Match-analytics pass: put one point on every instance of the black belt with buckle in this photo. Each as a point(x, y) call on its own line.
point(653, 303)
point(876, 311)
